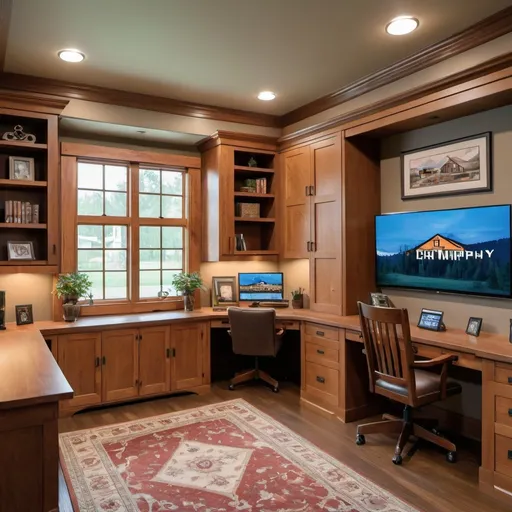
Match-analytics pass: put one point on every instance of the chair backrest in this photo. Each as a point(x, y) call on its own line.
point(387, 342)
point(253, 331)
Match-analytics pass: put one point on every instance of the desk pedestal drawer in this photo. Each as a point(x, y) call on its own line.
point(291, 325)
point(503, 373)
point(322, 331)
point(322, 355)
point(504, 411)
point(503, 454)
point(322, 382)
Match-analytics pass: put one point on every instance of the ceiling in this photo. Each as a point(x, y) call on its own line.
point(223, 52)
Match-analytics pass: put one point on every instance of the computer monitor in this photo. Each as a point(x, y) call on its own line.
point(260, 286)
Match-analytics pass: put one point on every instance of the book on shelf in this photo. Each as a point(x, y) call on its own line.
point(261, 186)
point(240, 244)
point(21, 212)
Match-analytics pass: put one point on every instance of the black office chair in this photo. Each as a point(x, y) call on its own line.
point(254, 333)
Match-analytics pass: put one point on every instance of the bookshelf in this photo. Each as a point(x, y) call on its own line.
point(239, 192)
point(40, 189)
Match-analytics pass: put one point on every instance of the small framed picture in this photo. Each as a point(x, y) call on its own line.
point(24, 314)
point(21, 168)
point(474, 326)
point(20, 251)
point(224, 291)
point(380, 300)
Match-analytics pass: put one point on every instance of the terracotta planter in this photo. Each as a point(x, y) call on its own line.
point(71, 312)
point(298, 303)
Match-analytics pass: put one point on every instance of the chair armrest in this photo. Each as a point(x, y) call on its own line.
point(280, 332)
point(446, 358)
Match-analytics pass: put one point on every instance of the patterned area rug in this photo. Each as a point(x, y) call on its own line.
point(224, 457)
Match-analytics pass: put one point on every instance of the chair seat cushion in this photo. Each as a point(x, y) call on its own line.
point(426, 383)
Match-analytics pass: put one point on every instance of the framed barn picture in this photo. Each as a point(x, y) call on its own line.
point(458, 167)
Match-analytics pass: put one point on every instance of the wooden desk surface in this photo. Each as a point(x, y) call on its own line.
point(28, 372)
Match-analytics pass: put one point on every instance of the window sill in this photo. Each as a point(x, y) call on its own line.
point(126, 308)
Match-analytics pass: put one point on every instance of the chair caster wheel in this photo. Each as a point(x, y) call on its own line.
point(451, 457)
point(397, 460)
point(231, 387)
point(360, 440)
point(275, 389)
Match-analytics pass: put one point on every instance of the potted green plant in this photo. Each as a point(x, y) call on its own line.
point(187, 283)
point(71, 288)
point(298, 298)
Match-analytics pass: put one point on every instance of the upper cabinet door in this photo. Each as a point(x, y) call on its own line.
point(120, 364)
point(187, 355)
point(79, 357)
point(326, 257)
point(154, 360)
point(297, 181)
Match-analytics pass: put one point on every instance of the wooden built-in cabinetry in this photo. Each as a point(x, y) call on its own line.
point(226, 164)
point(122, 364)
point(331, 195)
point(42, 191)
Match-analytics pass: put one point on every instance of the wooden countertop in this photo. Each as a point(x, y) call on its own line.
point(29, 374)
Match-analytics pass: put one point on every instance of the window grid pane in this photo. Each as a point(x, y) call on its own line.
point(102, 189)
point(160, 257)
point(103, 256)
point(161, 194)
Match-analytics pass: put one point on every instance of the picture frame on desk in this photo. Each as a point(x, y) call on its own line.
point(474, 326)
point(380, 300)
point(431, 320)
point(24, 315)
point(224, 292)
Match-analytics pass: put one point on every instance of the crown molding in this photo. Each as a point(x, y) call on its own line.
point(31, 102)
point(482, 32)
point(5, 21)
point(481, 70)
point(60, 90)
point(246, 140)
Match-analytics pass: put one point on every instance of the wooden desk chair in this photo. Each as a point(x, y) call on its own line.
point(254, 333)
point(396, 375)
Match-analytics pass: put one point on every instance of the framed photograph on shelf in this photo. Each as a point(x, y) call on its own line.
point(224, 291)
point(24, 314)
point(457, 167)
point(20, 251)
point(474, 326)
point(21, 168)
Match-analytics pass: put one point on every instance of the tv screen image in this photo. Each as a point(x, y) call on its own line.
point(464, 250)
point(261, 286)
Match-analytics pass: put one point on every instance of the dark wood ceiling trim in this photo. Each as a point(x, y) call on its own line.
point(485, 30)
point(248, 140)
point(57, 89)
point(497, 64)
point(5, 21)
point(32, 102)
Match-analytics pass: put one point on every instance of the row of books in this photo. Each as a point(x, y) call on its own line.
point(21, 212)
point(240, 244)
point(261, 186)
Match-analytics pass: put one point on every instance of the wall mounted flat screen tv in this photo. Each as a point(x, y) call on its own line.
point(465, 250)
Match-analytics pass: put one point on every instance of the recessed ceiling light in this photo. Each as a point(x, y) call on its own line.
point(71, 55)
point(266, 95)
point(402, 25)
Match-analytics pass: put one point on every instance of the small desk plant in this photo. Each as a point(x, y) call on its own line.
point(298, 298)
point(187, 283)
point(71, 288)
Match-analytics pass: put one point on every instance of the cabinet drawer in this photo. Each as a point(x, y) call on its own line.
point(322, 331)
point(322, 355)
point(503, 373)
point(426, 351)
point(353, 336)
point(220, 324)
point(504, 411)
point(503, 454)
point(464, 360)
point(292, 325)
point(322, 381)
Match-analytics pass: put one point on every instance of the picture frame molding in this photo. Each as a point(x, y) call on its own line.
point(19, 309)
point(31, 162)
point(489, 162)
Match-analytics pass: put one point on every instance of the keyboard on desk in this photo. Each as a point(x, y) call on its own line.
point(274, 303)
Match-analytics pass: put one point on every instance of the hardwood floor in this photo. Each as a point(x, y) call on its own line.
point(426, 481)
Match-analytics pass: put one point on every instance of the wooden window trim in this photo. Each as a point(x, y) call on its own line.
point(71, 154)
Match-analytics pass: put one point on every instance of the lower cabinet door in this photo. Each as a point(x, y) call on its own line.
point(187, 355)
point(120, 364)
point(79, 357)
point(154, 360)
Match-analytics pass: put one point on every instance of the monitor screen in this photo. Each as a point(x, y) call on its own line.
point(465, 250)
point(261, 286)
